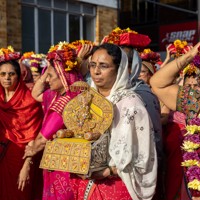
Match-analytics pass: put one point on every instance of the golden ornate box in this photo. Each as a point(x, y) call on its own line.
point(67, 154)
point(89, 112)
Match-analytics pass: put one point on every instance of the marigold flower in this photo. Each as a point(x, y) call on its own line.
point(195, 185)
point(127, 37)
point(191, 129)
point(189, 146)
point(178, 48)
point(150, 56)
point(177, 43)
point(9, 54)
point(190, 69)
point(189, 163)
point(66, 52)
point(191, 154)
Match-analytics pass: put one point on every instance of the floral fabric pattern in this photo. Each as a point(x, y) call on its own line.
point(134, 156)
point(56, 185)
point(188, 102)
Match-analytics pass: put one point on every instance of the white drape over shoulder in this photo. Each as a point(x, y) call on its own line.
point(132, 147)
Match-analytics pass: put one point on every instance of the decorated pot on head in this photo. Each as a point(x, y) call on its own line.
point(127, 37)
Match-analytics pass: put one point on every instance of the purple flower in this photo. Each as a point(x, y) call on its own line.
point(194, 121)
point(193, 173)
point(190, 156)
point(195, 138)
point(196, 61)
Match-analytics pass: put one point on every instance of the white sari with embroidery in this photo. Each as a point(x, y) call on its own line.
point(132, 147)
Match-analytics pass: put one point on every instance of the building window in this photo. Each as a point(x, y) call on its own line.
point(46, 22)
point(74, 29)
point(146, 12)
point(138, 11)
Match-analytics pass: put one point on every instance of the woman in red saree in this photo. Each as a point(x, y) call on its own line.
point(20, 121)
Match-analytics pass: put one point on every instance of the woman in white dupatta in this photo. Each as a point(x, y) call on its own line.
point(132, 150)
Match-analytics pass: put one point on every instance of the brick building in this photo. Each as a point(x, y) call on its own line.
point(10, 23)
point(35, 25)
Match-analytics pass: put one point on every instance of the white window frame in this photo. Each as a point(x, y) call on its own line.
point(36, 7)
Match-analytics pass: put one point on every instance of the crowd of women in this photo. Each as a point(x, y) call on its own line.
point(155, 107)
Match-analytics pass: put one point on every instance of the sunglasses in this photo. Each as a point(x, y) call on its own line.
point(10, 74)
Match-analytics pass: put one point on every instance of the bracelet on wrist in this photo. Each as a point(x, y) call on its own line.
point(29, 161)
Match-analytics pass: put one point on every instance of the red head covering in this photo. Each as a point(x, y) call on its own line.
point(21, 116)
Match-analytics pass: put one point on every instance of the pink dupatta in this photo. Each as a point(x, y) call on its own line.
point(56, 183)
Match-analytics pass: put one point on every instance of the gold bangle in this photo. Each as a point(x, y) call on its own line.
point(31, 162)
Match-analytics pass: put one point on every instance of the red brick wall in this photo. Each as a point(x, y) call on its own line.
point(10, 23)
point(14, 24)
point(106, 21)
point(3, 24)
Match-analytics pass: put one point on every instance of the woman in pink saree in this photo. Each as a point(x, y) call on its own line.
point(60, 74)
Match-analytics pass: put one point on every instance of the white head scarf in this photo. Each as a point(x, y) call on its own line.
point(135, 67)
point(134, 157)
point(150, 100)
point(135, 72)
point(122, 86)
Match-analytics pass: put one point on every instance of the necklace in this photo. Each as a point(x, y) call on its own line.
point(83, 113)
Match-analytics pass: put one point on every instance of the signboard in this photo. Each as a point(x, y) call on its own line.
point(183, 31)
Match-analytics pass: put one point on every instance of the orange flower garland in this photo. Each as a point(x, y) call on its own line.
point(190, 69)
point(79, 43)
point(7, 50)
point(64, 52)
point(27, 55)
point(9, 53)
point(150, 56)
point(178, 48)
point(114, 36)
